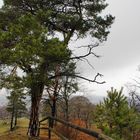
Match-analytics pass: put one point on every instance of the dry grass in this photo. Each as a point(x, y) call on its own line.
point(21, 131)
point(44, 132)
point(4, 126)
point(81, 135)
point(18, 134)
point(73, 134)
point(23, 122)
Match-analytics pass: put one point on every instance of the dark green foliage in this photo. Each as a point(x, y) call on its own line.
point(67, 16)
point(28, 42)
point(17, 101)
point(27, 25)
point(16, 106)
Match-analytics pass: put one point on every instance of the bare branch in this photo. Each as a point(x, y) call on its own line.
point(90, 47)
point(81, 77)
point(90, 80)
point(89, 63)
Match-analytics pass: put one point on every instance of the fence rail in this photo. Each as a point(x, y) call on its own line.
point(95, 134)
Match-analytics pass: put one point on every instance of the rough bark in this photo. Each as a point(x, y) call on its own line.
point(53, 112)
point(36, 94)
point(34, 117)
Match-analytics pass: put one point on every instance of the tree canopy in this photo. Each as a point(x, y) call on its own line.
point(28, 40)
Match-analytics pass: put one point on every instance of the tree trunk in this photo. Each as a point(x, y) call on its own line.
point(86, 119)
point(66, 100)
point(67, 111)
point(12, 119)
point(53, 112)
point(15, 119)
point(55, 94)
point(34, 117)
point(36, 94)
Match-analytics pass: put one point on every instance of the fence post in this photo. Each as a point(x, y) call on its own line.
point(38, 130)
point(49, 130)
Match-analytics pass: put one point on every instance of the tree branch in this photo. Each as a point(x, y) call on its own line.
point(81, 77)
point(90, 47)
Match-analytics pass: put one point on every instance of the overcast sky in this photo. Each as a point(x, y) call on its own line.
point(121, 53)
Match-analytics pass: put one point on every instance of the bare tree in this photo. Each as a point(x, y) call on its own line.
point(81, 108)
point(134, 96)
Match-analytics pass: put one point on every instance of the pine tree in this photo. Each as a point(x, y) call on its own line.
point(115, 117)
point(16, 106)
point(28, 43)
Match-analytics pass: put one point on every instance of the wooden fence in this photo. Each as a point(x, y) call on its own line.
point(92, 133)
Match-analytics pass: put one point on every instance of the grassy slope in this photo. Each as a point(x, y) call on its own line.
point(20, 132)
point(4, 126)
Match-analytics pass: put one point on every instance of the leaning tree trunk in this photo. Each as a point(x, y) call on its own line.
point(36, 94)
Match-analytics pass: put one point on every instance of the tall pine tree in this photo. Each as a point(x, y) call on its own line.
point(27, 42)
